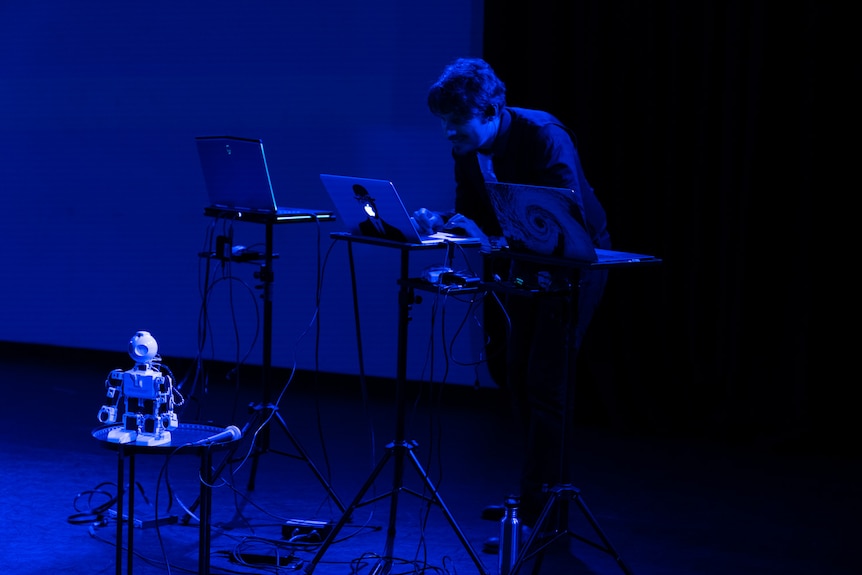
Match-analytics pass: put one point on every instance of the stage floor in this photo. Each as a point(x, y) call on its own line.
point(669, 505)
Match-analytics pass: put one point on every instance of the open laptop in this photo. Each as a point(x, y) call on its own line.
point(541, 221)
point(373, 208)
point(237, 180)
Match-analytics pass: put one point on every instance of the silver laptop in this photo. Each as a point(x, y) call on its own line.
point(373, 208)
point(543, 221)
point(237, 180)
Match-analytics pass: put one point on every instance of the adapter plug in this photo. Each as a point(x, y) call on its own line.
point(434, 274)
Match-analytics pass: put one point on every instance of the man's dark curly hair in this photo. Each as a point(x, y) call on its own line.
point(468, 87)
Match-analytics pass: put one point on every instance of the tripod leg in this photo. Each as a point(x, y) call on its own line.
point(384, 566)
point(560, 495)
point(357, 501)
point(527, 548)
point(448, 514)
point(595, 524)
point(304, 456)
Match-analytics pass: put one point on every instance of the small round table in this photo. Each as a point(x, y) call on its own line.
point(187, 438)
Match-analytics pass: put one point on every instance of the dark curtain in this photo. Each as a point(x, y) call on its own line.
point(712, 132)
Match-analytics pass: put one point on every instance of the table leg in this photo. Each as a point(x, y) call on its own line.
point(130, 522)
point(206, 512)
point(121, 494)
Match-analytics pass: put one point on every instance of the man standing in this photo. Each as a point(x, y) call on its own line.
point(493, 141)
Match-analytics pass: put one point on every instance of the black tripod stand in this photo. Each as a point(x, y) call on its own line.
point(264, 414)
point(554, 517)
point(561, 494)
point(400, 448)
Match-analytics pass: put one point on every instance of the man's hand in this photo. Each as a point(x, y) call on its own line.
point(428, 221)
point(464, 226)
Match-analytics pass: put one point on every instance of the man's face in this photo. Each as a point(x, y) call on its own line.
point(470, 134)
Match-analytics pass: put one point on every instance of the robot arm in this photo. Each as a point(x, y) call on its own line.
point(114, 386)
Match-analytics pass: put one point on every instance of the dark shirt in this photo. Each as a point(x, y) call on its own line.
point(532, 147)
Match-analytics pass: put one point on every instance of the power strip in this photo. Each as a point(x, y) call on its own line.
point(253, 559)
point(145, 523)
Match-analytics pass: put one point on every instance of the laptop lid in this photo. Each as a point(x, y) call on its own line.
point(373, 208)
point(541, 221)
point(237, 179)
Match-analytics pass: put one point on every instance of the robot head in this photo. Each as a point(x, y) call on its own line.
point(143, 347)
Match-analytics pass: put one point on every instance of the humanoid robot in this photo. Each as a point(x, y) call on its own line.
point(147, 395)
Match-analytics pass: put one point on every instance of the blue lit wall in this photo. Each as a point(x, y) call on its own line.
point(103, 217)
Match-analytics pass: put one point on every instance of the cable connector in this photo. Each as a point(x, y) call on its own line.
point(434, 274)
point(463, 279)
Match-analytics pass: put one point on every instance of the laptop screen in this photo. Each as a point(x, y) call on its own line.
point(540, 220)
point(235, 173)
point(238, 183)
point(372, 208)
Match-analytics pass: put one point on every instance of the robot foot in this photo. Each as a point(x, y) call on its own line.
point(122, 436)
point(151, 440)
